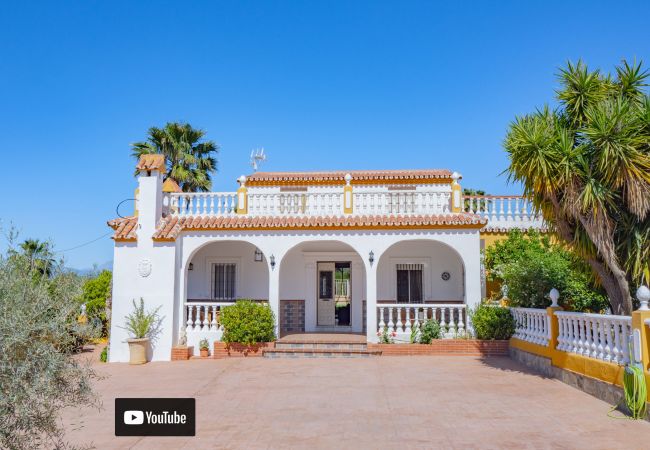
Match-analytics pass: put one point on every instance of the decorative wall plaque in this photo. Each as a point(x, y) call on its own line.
point(144, 267)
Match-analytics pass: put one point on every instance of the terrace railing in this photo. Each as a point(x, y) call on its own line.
point(504, 212)
point(599, 336)
point(402, 317)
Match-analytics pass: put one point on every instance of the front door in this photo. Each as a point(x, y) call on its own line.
point(326, 310)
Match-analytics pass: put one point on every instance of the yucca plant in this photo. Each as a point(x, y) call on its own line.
point(586, 167)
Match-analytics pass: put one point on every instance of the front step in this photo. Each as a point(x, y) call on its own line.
point(319, 352)
point(303, 345)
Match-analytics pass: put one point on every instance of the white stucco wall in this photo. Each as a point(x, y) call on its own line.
point(252, 277)
point(157, 289)
point(436, 259)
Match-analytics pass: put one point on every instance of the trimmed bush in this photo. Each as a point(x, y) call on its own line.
point(248, 323)
point(492, 322)
point(429, 331)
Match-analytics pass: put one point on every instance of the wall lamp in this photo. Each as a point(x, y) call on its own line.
point(371, 257)
point(272, 260)
point(258, 255)
point(191, 267)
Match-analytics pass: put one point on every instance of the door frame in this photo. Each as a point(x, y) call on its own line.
point(358, 294)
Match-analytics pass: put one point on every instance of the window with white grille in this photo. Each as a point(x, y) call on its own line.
point(224, 281)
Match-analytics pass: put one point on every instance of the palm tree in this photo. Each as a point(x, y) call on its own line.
point(40, 256)
point(190, 160)
point(586, 166)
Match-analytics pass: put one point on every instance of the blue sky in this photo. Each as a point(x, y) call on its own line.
point(321, 85)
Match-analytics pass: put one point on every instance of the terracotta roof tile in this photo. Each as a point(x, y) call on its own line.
point(152, 161)
point(170, 227)
point(125, 228)
point(336, 177)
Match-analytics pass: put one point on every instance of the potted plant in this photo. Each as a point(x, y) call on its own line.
point(141, 325)
point(204, 346)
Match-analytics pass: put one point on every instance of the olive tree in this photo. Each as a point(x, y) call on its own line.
point(39, 334)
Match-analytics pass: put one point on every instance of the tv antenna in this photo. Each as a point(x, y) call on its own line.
point(257, 158)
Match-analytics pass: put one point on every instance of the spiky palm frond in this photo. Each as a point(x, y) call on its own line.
point(190, 160)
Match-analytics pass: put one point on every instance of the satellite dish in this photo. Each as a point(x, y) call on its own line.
point(257, 158)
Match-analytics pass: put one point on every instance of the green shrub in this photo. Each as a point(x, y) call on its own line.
point(492, 322)
point(94, 294)
point(529, 265)
point(429, 331)
point(248, 323)
point(103, 357)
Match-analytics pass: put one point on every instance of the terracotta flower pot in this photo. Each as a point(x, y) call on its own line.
point(138, 350)
point(205, 353)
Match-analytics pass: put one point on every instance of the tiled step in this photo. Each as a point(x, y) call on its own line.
point(318, 353)
point(321, 345)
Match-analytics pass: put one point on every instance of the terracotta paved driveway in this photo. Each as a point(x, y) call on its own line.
point(386, 402)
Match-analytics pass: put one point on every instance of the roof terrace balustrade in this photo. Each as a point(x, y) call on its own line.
point(320, 203)
point(505, 212)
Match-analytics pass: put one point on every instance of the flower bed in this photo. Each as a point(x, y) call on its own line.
point(448, 347)
point(225, 350)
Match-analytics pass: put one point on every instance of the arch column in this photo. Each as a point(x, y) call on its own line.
point(371, 302)
point(274, 295)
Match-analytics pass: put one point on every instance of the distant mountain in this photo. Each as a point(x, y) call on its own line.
point(108, 265)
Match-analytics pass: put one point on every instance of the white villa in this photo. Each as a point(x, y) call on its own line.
point(344, 252)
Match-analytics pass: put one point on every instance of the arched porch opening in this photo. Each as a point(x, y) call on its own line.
point(420, 280)
point(322, 289)
point(217, 274)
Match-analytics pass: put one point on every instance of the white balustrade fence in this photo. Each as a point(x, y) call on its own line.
point(532, 325)
point(202, 321)
point(204, 316)
point(600, 336)
point(303, 203)
point(411, 202)
point(326, 203)
point(202, 203)
point(401, 318)
point(504, 211)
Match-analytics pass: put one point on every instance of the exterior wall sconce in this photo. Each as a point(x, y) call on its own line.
point(371, 257)
point(191, 267)
point(272, 261)
point(258, 255)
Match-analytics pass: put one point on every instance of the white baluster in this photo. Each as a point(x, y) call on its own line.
point(616, 350)
point(399, 323)
point(382, 324)
point(213, 325)
point(461, 323)
point(408, 321)
point(609, 345)
point(189, 324)
point(624, 348)
point(391, 324)
point(587, 339)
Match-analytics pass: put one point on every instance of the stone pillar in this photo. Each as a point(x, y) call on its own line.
point(639, 327)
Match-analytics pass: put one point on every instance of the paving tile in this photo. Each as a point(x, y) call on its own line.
point(396, 402)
